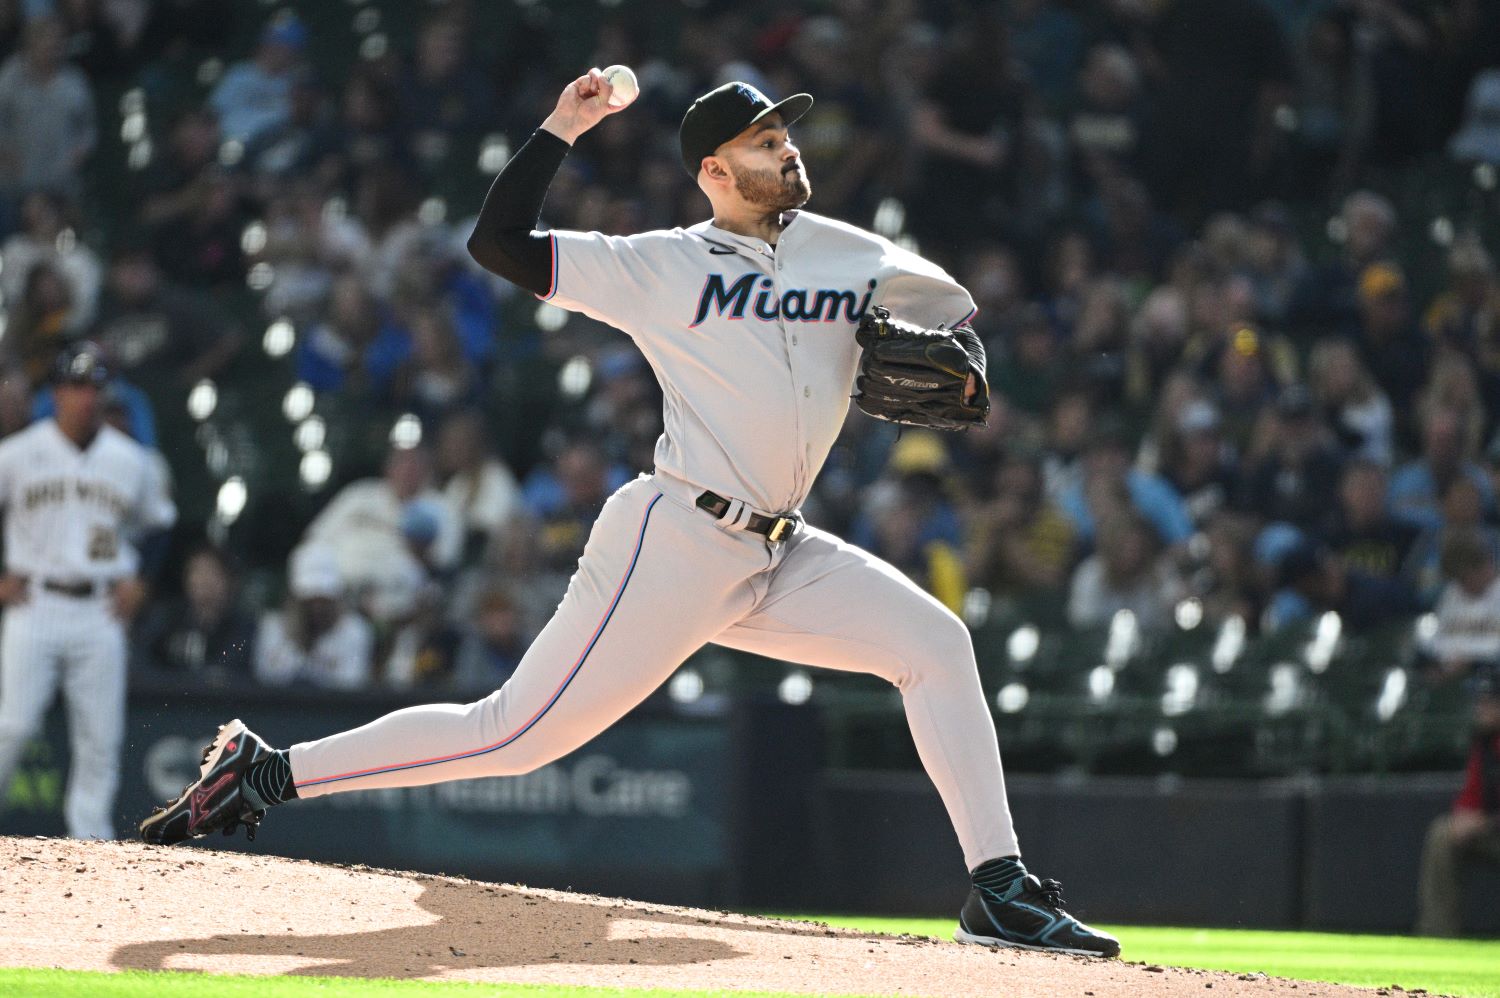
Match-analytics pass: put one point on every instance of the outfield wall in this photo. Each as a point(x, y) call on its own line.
point(724, 804)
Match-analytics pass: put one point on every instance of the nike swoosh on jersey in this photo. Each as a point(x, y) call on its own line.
point(719, 251)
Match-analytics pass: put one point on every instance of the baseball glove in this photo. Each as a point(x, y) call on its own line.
point(917, 376)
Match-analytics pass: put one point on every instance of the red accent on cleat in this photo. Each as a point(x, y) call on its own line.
point(200, 797)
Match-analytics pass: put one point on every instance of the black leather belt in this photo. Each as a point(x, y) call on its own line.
point(82, 589)
point(773, 528)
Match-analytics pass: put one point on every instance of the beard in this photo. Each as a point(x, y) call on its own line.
point(775, 192)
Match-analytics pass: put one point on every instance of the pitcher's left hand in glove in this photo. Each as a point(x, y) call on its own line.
point(918, 376)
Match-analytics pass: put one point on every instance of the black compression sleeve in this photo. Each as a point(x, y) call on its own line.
point(505, 241)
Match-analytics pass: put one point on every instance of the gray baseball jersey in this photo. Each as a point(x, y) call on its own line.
point(754, 347)
point(755, 352)
point(70, 516)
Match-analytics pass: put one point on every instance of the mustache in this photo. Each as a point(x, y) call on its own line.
point(791, 167)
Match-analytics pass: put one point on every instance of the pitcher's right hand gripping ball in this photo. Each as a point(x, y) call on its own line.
point(916, 376)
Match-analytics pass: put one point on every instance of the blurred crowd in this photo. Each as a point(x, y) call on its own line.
point(1201, 398)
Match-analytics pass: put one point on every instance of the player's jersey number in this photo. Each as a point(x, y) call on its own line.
point(104, 544)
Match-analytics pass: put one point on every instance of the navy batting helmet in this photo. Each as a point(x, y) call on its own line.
point(81, 363)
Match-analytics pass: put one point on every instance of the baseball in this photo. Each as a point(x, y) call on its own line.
point(626, 86)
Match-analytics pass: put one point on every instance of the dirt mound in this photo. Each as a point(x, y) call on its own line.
point(118, 905)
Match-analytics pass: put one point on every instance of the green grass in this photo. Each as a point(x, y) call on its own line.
point(1470, 968)
point(177, 984)
point(1466, 967)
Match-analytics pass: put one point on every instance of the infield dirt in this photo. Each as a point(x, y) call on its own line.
point(120, 905)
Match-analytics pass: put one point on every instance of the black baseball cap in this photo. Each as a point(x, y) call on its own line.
point(725, 112)
point(81, 363)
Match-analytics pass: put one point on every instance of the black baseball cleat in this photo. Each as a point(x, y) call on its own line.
point(214, 802)
point(1029, 916)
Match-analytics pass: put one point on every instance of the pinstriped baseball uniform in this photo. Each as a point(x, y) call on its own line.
point(754, 348)
point(70, 516)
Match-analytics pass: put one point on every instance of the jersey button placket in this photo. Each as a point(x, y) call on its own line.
point(789, 339)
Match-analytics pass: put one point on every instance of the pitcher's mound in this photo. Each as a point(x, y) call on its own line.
point(118, 905)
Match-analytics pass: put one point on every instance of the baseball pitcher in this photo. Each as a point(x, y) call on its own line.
point(758, 324)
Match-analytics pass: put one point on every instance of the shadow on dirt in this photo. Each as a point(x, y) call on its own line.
point(475, 926)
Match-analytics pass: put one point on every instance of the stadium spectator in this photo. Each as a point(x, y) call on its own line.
point(1167, 404)
point(254, 97)
point(1315, 581)
point(1158, 334)
point(1107, 123)
point(1246, 381)
point(424, 650)
point(1298, 470)
point(1126, 573)
point(204, 632)
point(385, 206)
point(301, 148)
point(1389, 341)
point(561, 499)
point(480, 489)
point(1417, 486)
point(1108, 480)
point(1463, 511)
point(443, 94)
point(841, 138)
point(1048, 40)
point(306, 246)
point(1226, 581)
point(1100, 339)
point(1333, 104)
point(1029, 368)
point(1470, 832)
point(388, 535)
point(358, 348)
point(157, 333)
point(1326, 300)
point(995, 279)
point(1397, 39)
point(1350, 403)
point(46, 237)
point(1223, 67)
point(494, 644)
point(368, 136)
point(315, 639)
point(47, 129)
point(1361, 530)
point(1468, 611)
point(173, 184)
point(1020, 545)
point(1479, 139)
point(203, 247)
point(1275, 263)
point(969, 136)
point(1465, 316)
point(37, 327)
point(910, 520)
point(1453, 384)
point(1197, 463)
point(102, 38)
point(436, 378)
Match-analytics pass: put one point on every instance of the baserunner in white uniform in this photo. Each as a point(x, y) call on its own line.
point(748, 321)
point(77, 495)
